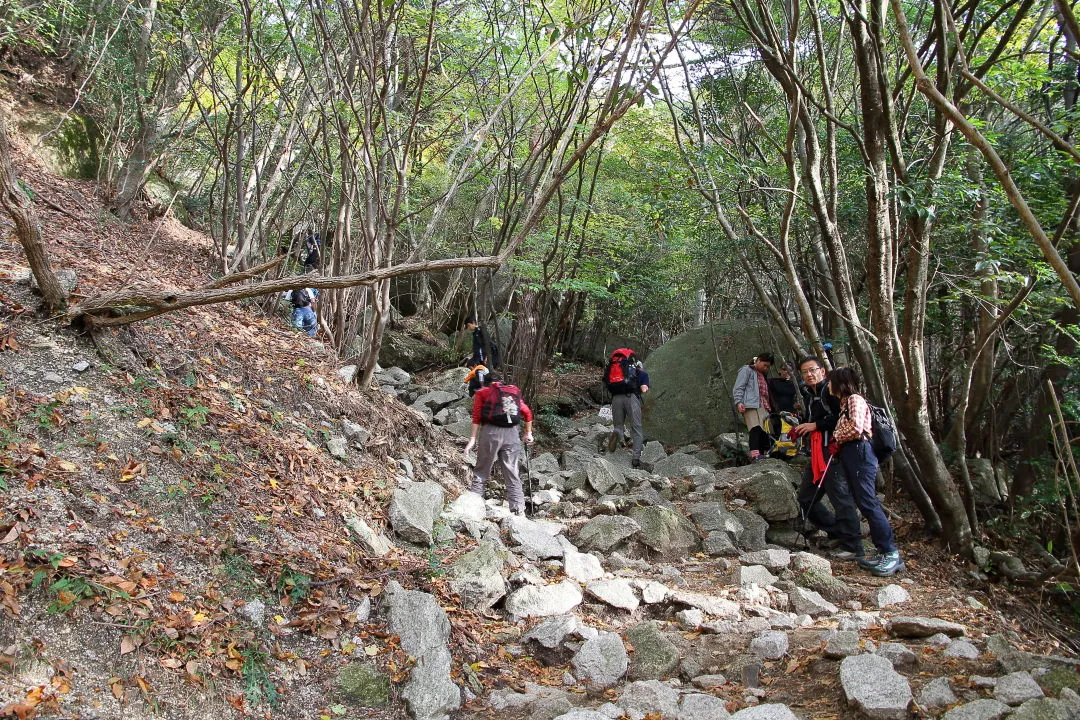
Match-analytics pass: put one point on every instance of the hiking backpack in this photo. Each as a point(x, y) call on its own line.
point(300, 298)
point(505, 411)
point(620, 375)
point(883, 441)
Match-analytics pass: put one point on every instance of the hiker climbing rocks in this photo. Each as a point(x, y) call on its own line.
point(853, 432)
point(783, 394)
point(475, 379)
point(751, 396)
point(312, 257)
point(303, 316)
point(484, 349)
point(497, 411)
point(626, 380)
point(822, 477)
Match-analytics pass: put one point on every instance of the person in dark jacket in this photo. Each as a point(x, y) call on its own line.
point(783, 392)
point(626, 405)
point(484, 349)
point(822, 477)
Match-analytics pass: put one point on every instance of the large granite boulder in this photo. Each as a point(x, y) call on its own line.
point(666, 531)
point(477, 576)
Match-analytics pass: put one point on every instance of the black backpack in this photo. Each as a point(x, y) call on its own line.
point(883, 441)
point(300, 298)
point(506, 410)
point(620, 375)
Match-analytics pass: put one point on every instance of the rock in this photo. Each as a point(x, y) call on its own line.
point(477, 577)
point(255, 612)
point(1054, 681)
point(541, 601)
point(984, 481)
point(347, 373)
point(649, 697)
point(617, 593)
point(978, 710)
point(1012, 659)
point(654, 655)
point(81, 366)
point(802, 561)
point(756, 575)
point(709, 682)
point(1016, 688)
point(579, 714)
point(937, 694)
point(718, 543)
point(466, 506)
point(357, 435)
point(899, 655)
point(771, 558)
point(364, 685)
point(652, 453)
point(363, 610)
point(808, 602)
point(582, 566)
point(961, 649)
point(713, 516)
point(938, 640)
point(374, 543)
point(921, 627)
point(840, 644)
point(413, 510)
point(771, 711)
point(696, 706)
point(423, 629)
point(829, 587)
point(435, 400)
point(770, 645)
point(536, 540)
point(872, 685)
point(605, 532)
point(715, 606)
point(772, 492)
point(666, 531)
point(653, 592)
point(891, 595)
point(603, 475)
point(754, 530)
point(602, 661)
point(690, 619)
point(336, 446)
point(1044, 709)
point(675, 466)
point(551, 632)
point(461, 428)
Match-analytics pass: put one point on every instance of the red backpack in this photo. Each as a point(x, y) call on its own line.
point(503, 410)
point(620, 375)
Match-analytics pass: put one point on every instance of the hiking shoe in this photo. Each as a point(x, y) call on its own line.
point(635, 463)
point(890, 564)
point(612, 442)
point(867, 563)
point(848, 555)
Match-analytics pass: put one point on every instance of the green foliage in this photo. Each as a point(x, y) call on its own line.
point(295, 584)
point(259, 687)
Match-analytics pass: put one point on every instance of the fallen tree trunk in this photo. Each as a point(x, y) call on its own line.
point(140, 303)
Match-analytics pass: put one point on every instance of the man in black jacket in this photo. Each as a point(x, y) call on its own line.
point(842, 524)
point(484, 349)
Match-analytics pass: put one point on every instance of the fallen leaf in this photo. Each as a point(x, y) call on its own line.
point(176, 596)
point(127, 645)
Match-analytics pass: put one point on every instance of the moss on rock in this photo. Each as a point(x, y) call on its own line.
point(364, 685)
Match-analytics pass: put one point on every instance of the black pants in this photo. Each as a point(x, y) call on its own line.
point(844, 524)
point(759, 440)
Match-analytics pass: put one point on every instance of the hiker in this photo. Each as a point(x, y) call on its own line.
point(626, 380)
point(852, 436)
point(313, 258)
point(303, 316)
point(822, 477)
point(783, 394)
point(497, 410)
point(751, 396)
point(475, 379)
point(484, 349)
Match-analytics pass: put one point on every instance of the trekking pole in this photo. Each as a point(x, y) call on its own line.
point(530, 506)
point(814, 501)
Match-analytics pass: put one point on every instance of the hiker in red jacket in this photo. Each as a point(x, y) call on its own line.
point(497, 411)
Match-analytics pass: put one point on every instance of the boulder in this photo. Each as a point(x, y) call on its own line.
point(808, 602)
point(582, 567)
point(605, 532)
point(423, 628)
point(772, 492)
point(754, 530)
point(654, 656)
point(652, 453)
point(1016, 688)
point(901, 657)
point(921, 627)
point(692, 375)
point(771, 558)
point(536, 541)
point(937, 694)
point(708, 604)
point(617, 593)
point(468, 506)
point(676, 466)
point(771, 711)
point(770, 645)
point(891, 595)
point(872, 685)
point(697, 706)
point(373, 542)
point(840, 644)
point(477, 577)
point(364, 685)
point(67, 143)
point(983, 709)
point(756, 575)
point(337, 447)
point(602, 661)
point(603, 475)
point(714, 517)
point(666, 531)
point(961, 649)
point(552, 632)
point(413, 510)
point(403, 350)
point(649, 698)
point(357, 435)
point(543, 600)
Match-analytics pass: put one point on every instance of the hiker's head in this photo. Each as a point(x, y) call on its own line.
point(811, 369)
point(763, 362)
point(491, 377)
point(470, 322)
point(785, 371)
point(844, 381)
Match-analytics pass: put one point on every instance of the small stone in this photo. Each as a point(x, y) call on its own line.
point(653, 592)
point(654, 655)
point(690, 619)
point(811, 603)
point(981, 681)
point(53, 378)
point(696, 706)
point(756, 575)
point(891, 595)
point(81, 366)
point(983, 709)
point(617, 593)
point(1043, 709)
point(336, 446)
point(841, 644)
point(974, 604)
point(254, 611)
point(708, 682)
point(921, 627)
point(364, 685)
point(770, 645)
point(772, 711)
point(1016, 688)
point(961, 649)
point(771, 558)
point(901, 657)
point(937, 693)
point(938, 640)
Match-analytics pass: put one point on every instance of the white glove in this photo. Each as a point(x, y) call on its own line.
point(529, 439)
point(469, 446)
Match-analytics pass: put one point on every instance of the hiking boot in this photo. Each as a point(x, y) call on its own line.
point(890, 564)
point(867, 563)
point(612, 442)
point(847, 555)
point(635, 463)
